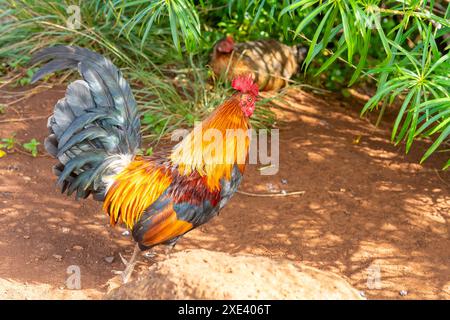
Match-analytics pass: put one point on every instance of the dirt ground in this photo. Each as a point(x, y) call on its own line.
point(368, 210)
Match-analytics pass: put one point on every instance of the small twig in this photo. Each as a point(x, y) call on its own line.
point(13, 109)
point(293, 193)
point(380, 115)
point(6, 82)
point(29, 154)
point(28, 91)
point(440, 178)
point(24, 119)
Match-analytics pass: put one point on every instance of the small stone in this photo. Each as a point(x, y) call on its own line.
point(126, 233)
point(283, 192)
point(342, 190)
point(57, 257)
point(7, 194)
point(12, 168)
point(284, 181)
point(149, 255)
point(362, 294)
point(109, 259)
point(229, 270)
point(26, 178)
point(403, 293)
point(65, 230)
point(26, 237)
point(77, 247)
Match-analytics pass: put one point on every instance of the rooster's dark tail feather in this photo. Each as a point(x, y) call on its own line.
point(95, 128)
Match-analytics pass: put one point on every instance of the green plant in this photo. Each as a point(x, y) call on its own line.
point(422, 76)
point(181, 15)
point(149, 151)
point(32, 147)
point(7, 144)
point(163, 47)
point(412, 66)
point(26, 79)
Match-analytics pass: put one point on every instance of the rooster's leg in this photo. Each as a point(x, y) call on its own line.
point(169, 248)
point(129, 265)
point(169, 245)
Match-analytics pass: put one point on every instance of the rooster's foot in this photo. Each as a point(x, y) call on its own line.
point(129, 265)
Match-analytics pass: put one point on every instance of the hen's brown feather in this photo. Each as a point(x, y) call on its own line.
point(270, 62)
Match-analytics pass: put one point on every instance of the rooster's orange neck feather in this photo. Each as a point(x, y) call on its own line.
point(215, 145)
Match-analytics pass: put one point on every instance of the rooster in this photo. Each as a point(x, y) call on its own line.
point(270, 62)
point(94, 133)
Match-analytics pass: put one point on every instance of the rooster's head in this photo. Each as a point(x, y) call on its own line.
point(248, 91)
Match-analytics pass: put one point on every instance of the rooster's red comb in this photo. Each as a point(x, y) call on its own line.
point(245, 84)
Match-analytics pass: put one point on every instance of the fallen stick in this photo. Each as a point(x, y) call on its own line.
point(439, 176)
point(24, 119)
point(251, 194)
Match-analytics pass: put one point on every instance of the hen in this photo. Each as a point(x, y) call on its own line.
point(95, 136)
point(270, 62)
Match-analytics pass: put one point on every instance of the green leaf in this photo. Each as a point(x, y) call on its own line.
point(149, 151)
point(402, 112)
point(447, 165)
point(310, 17)
point(31, 146)
point(294, 6)
point(414, 120)
point(313, 43)
point(362, 58)
point(384, 40)
point(9, 142)
point(348, 32)
point(333, 58)
point(436, 144)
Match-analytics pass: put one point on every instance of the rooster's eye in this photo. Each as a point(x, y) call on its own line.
point(249, 99)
